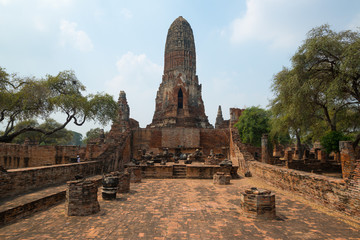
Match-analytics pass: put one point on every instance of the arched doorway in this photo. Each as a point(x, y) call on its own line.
point(180, 99)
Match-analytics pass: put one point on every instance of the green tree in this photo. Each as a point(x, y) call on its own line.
point(29, 98)
point(76, 139)
point(289, 111)
point(330, 141)
point(252, 123)
point(31, 136)
point(93, 134)
point(60, 137)
point(322, 85)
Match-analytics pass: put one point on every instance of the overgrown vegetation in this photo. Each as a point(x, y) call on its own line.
point(253, 122)
point(23, 99)
point(93, 134)
point(317, 98)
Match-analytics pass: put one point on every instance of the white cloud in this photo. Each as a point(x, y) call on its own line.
point(76, 38)
point(4, 2)
point(126, 13)
point(278, 22)
point(139, 78)
point(55, 3)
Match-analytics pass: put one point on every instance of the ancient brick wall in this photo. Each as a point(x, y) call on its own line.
point(157, 171)
point(17, 181)
point(117, 152)
point(333, 192)
point(184, 137)
point(216, 139)
point(149, 139)
point(239, 154)
point(342, 195)
point(154, 140)
point(92, 151)
point(235, 113)
point(20, 156)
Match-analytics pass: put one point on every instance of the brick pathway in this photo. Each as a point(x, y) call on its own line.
point(186, 209)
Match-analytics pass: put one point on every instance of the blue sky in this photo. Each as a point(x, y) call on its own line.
point(119, 45)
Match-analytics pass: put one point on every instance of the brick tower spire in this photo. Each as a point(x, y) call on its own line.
point(178, 100)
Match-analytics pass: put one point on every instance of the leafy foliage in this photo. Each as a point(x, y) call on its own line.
point(76, 139)
point(60, 137)
point(321, 91)
point(29, 98)
point(253, 122)
point(93, 134)
point(330, 141)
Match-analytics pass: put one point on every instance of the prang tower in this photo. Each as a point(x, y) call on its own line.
point(178, 100)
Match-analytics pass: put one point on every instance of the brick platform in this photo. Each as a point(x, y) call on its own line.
point(186, 209)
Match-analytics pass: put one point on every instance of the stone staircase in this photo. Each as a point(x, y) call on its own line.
point(179, 171)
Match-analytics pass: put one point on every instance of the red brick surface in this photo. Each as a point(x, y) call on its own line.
point(185, 209)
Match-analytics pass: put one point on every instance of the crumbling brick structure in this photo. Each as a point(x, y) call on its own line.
point(347, 156)
point(258, 203)
point(81, 198)
point(221, 178)
point(178, 100)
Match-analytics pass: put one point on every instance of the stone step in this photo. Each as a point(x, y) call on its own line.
point(179, 171)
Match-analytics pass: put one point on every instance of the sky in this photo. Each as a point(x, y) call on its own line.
point(118, 45)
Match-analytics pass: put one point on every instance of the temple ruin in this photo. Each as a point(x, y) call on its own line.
point(181, 143)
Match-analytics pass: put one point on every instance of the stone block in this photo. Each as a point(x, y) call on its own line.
point(221, 178)
point(81, 198)
point(135, 174)
point(258, 204)
point(124, 183)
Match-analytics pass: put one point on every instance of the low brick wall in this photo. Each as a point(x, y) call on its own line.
point(332, 192)
point(203, 172)
point(31, 207)
point(157, 171)
point(339, 194)
point(20, 156)
point(16, 181)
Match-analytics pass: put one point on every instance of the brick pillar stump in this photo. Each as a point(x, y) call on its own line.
point(110, 186)
point(124, 183)
point(258, 204)
point(81, 198)
point(347, 157)
point(265, 155)
point(135, 174)
point(221, 178)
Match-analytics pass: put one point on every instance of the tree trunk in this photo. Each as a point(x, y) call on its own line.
point(299, 145)
point(6, 139)
point(356, 142)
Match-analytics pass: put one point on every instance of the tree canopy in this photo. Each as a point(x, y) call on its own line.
point(320, 93)
point(252, 124)
point(24, 98)
point(61, 137)
point(93, 134)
